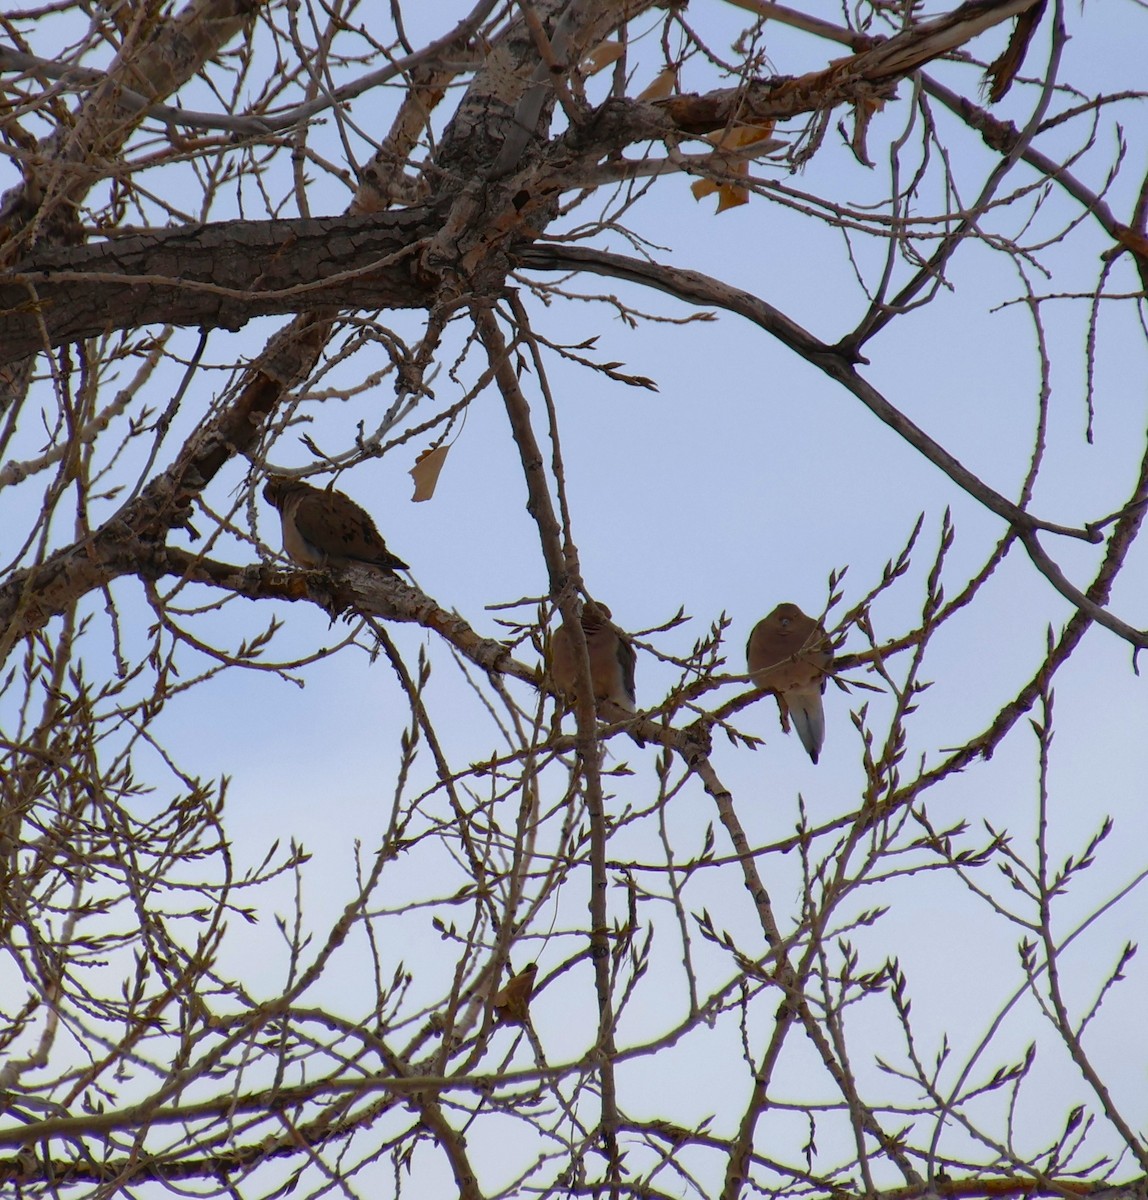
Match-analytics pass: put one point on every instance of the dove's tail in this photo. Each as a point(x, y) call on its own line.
point(808, 716)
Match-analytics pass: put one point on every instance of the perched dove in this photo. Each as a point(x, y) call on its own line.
point(512, 1004)
point(611, 662)
point(789, 653)
point(324, 528)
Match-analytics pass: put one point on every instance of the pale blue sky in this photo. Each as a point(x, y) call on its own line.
point(742, 482)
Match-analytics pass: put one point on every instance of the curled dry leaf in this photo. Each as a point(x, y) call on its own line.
point(662, 86)
point(600, 57)
point(426, 470)
point(512, 1004)
point(1002, 71)
point(738, 136)
point(730, 195)
point(863, 110)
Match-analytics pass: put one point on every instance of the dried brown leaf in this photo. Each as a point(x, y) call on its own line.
point(863, 111)
point(512, 1004)
point(731, 195)
point(600, 57)
point(426, 470)
point(662, 87)
point(741, 135)
point(1002, 71)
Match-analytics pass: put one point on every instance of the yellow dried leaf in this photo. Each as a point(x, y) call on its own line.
point(662, 87)
point(600, 57)
point(741, 135)
point(730, 195)
point(512, 1005)
point(426, 470)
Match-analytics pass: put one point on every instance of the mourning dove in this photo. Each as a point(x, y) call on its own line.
point(789, 653)
point(512, 1004)
point(324, 528)
point(611, 662)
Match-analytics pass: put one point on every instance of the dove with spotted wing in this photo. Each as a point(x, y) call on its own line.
point(324, 528)
point(612, 661)
point(789, 653)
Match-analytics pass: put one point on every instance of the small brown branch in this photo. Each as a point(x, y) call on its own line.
point(1003, 137)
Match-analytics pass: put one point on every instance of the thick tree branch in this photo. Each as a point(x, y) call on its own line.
point(224, 275)
point(214, 276)
point(847, 80)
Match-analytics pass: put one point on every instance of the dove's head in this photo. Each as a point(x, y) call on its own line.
point(277, 489)
point(785, 615)
point(595, 615)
